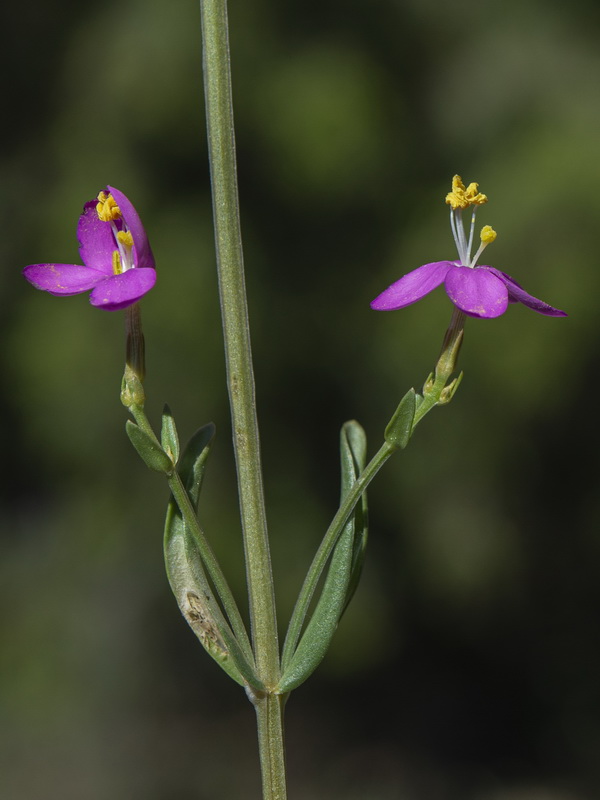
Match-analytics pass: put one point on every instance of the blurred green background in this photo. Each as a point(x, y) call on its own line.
point(467, 666)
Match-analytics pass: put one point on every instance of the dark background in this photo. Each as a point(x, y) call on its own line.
point(467, 666)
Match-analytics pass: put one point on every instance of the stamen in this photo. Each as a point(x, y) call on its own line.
point(116, 263)
point(459, 198)
point(107, 208)
point(460, 229)
point(471, 232)
point(473, 197)
point(463, 197)
point(456, 198)
point(454, 231)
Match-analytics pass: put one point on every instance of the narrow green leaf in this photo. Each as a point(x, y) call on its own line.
point(353, 452)
point(357, 449)
point(196, 601)
point(399, 429)
point(342, 575)
point(319, 632)
point(149, 449)
point(193, 460)
point(168, 435)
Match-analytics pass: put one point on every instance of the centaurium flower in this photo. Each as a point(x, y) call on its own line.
point(475, 289)
point(119, 265)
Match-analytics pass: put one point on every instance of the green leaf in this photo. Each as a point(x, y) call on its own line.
point(343, 573)
point(187, 576)
point(193, 461)
point(353, 453)
point(354, 457)
point(399, 429)
point(168, 435)
point(149, 449)
point(197, 603)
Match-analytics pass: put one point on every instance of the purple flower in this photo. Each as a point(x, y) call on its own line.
point(119, 265)
point(478, 290)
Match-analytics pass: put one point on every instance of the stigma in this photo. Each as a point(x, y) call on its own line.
point(488, 234)
point(126, 239)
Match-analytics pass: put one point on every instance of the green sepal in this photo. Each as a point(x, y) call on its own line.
point(187, 576)
point(343, 573)
point(149, 449)
point(168, 435)
point(449, 391)
point(399, 429)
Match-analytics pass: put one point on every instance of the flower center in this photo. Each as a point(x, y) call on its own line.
point(462, 197)
point(108, 211)
point(124, 241)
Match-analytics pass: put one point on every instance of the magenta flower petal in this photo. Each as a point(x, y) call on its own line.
point(475, 289)
point(123, 290)
point(63, 279)
point(412, 287)
point(516, 294)
point(141, 246)
point(477, 292)
point(96, 240)
point(118, 268)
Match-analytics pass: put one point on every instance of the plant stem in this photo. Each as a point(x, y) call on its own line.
point(219, 112)
point(269, 719)
point(240, 378)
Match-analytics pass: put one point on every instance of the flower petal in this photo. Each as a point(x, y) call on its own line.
point(516, 294)
point(412, 287)
point(477, 292)
point(63, 279)
point(96, 240)
point(120, 291)
point(141, 246)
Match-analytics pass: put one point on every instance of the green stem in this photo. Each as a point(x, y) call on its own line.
point(238, 355)
point(240, 378)
point(329, 540)
point(269, 719)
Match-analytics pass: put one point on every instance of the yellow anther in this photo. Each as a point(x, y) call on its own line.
point(463, 196)
point(456, 198)
point(107, 208)
point(457, 185)
point(116, 263)
point(488, 234)
point(474, 197)
point(125, 238)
